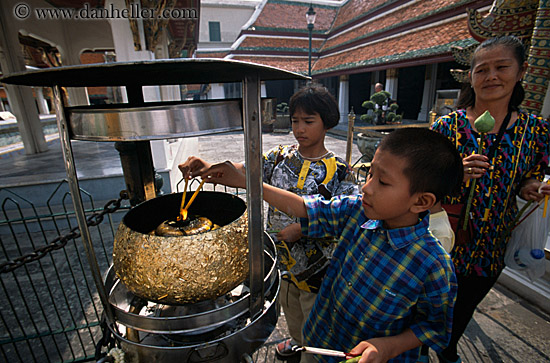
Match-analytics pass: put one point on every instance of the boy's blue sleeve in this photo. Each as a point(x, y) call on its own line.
point(434, 317)
point(326, 218)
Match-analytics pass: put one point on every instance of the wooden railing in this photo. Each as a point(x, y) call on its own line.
point(352, 129)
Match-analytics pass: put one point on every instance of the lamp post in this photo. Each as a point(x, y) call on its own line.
point(310, 18)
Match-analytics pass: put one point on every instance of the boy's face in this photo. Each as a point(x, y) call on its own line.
point(386, 194)
point(308, 129)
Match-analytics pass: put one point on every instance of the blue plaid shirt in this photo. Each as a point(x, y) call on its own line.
point(380, 281)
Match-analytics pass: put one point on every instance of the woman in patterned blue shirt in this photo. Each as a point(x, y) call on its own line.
point(390, 286)
point(512, 163)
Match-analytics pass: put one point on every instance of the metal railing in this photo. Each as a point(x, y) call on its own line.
point(50, 309)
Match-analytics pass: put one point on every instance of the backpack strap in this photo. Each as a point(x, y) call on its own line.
point(330, 164)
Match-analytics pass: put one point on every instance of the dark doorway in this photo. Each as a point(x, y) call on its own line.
point(410, 87)
point(359, 92)
point(444, 78)
point(281, 90)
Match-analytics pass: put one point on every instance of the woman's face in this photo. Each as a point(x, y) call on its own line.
point(495, 73)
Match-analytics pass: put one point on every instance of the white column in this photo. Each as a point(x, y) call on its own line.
point(343, 99)
point(124, 49)
point(428, 94)
point(41, 102)
point(70, 55)
point(263, 91)
point(391, 82)
point(125, 52)
point(167, 93)
point(216, 91)
point(20, 98)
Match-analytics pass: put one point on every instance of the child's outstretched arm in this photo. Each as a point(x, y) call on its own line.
point(385, 348)
point(195, 166)
point(229, 174)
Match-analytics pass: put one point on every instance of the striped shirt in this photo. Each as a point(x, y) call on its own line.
point(380, 281)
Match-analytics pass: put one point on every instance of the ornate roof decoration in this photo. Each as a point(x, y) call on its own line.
point(182, 31)
point(463, 56)
point(506, 17)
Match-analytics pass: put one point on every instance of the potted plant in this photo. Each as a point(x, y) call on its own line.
point(380, 109)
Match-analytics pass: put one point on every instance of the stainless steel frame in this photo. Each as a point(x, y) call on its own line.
point(73, 125)
point(155, 121)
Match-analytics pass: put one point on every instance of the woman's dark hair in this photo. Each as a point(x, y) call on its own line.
point(467, 95)
point(433, 162)
point(316, 98)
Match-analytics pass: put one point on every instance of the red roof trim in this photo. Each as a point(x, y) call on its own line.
point(315, 35)
point(268, 53)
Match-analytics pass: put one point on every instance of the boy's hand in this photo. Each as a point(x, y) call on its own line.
point(385, 348)
point(371, 351)
point(226, 174)
point(193, 166)
point(290, 233)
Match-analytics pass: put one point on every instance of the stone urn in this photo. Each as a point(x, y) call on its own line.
point(367, 142)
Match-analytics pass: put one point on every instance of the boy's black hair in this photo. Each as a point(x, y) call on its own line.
point(434, 164)
point(467, 95)
point(316, 98)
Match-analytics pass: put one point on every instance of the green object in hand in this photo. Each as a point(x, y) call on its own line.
point(484, 123)
point(352, 360)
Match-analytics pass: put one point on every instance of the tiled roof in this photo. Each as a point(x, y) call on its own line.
point(300, 45)
point(291, 16)
point(397, 18)
point(358, 35)
point(211, 54)
point(435, 41)
point(352, 10)
point(298, 65)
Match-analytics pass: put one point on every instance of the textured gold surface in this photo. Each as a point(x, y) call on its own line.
point(195, 226)
point(183, 269)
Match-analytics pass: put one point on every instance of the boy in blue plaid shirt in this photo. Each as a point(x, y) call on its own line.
point(390, 286)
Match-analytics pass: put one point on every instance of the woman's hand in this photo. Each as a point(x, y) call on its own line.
point(475, 166)
point(532, 189)
point(290, 233)
point(226, 174)
point(193, 166)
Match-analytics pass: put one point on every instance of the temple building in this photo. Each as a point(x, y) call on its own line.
point(417, 49)
point(409, 46)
